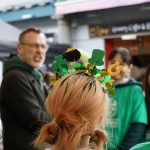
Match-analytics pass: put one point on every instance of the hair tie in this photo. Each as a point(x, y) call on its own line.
point(53, 132)
point(99, 134)
point(56, 125)
point(51, 135)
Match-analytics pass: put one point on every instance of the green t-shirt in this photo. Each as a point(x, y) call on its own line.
point(127, 107)
point(141, 146)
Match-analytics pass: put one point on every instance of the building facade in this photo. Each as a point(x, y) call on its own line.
point(89, 24)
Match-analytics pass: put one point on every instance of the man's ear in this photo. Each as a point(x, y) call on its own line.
point(19, 48)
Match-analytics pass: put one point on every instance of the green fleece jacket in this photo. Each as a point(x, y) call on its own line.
point(14, 61)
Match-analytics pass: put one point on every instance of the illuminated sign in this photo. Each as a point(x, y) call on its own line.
point(98, 30)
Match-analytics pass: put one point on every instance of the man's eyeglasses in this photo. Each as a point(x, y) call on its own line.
point(36, 46)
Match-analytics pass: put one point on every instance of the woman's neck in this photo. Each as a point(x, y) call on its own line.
point(124, 80)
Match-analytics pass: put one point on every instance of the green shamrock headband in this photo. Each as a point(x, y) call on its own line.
point(72, 54)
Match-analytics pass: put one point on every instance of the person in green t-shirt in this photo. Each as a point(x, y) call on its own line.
point(147, 94)
point(128, 116)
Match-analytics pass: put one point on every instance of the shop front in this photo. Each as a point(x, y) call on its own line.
point(134, 36)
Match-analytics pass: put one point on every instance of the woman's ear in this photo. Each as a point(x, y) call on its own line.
point(130, 67)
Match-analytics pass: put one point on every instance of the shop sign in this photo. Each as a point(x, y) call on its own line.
point(97, 30)
point(133, 27)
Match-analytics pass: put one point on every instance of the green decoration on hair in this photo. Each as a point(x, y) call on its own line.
point(78, 66)
point(61, 65)
point(97, 57)
point(59, 61)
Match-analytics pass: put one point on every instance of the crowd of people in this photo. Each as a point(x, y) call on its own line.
point(77, 113)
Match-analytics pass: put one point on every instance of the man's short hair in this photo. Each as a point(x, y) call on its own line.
point(31, 29)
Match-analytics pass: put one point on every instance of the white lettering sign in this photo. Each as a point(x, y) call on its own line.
point(131, 28)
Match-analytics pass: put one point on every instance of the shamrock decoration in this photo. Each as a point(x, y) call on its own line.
point(97, 57)
point(59, 62)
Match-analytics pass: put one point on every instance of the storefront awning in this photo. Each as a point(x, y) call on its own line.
point(7, 5)
point(18, 10)
point(74, 6)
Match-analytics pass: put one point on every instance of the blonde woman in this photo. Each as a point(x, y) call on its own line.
point(78, 106)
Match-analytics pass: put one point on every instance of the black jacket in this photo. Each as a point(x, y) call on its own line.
point(22, 109)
